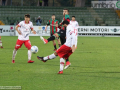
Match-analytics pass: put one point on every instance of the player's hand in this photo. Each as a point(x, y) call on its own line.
point(19, 32)
point(34, 32)
point(45, 29)
point(56, 25)
point(73, 48)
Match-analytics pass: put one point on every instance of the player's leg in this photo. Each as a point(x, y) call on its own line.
point(62, 61)
point(14, 54)
point(51, 38)
point(28, 46)
point(54, 44)
point(63, 40)
point(60, 51)
point(59, 43)
point(64, 54)
point(67, 59)
point(1, 43)
point(49, 57)
point(17, 46)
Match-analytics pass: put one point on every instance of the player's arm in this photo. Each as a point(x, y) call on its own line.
point(31, 27)
point(57, 23)
point(48, 23)
point(16, 28)
point(73, 42)
point(33, 31)
point(46, 27)
point(67, 17)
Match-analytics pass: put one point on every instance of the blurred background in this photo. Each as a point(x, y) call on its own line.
point(12, 12)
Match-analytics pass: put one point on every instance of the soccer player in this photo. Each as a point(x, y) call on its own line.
point(73, 22)
point(1, 43)
point(53, 29)
point(65, 50)
point(61, 34)
point(23, 37)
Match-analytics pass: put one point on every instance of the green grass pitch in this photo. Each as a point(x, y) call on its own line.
point(95, 66)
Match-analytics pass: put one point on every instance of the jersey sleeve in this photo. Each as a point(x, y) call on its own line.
point(77, 24)
point(67, 16)
point(31, 27)
point(48, 23)
point(20, 24)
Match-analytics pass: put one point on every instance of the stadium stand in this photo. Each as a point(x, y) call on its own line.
point(85, 16)
point(1, 23)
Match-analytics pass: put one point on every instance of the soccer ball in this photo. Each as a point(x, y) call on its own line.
point(34, 49)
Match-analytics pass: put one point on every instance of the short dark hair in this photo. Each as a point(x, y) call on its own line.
point(27, 15)
point(66, 9)
point(65, 22)
point(53, 15)
point(73, 16)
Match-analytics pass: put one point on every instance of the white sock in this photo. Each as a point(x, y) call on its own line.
point(14, 54)
point(29, 55)
point(52, 56)
point(0, 43)
point(62, 61)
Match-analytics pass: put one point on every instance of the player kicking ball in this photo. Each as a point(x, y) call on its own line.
point(61, 34)
point(1, 43)
point(65, 50)
point(23, 37)
point(53, 29)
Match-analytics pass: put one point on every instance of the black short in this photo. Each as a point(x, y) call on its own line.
point(62, 39)
point(62, 33)
point(51, 34)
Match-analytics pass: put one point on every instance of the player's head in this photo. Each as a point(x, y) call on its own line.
point(73, 18)
point(65, 11)
point(38, 17)
point(53, 17)
point(65, 23)
point(27, 17)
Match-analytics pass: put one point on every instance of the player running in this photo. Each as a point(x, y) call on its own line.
point(53, 29)
point(1, 43)
point(61, 34)
point(23, 37)
point(65, 50)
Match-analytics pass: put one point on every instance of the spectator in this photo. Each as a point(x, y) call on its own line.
point(40, 2)
point(80, 3)
point(3, 2)
point(38, 21)
point(45, 2)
